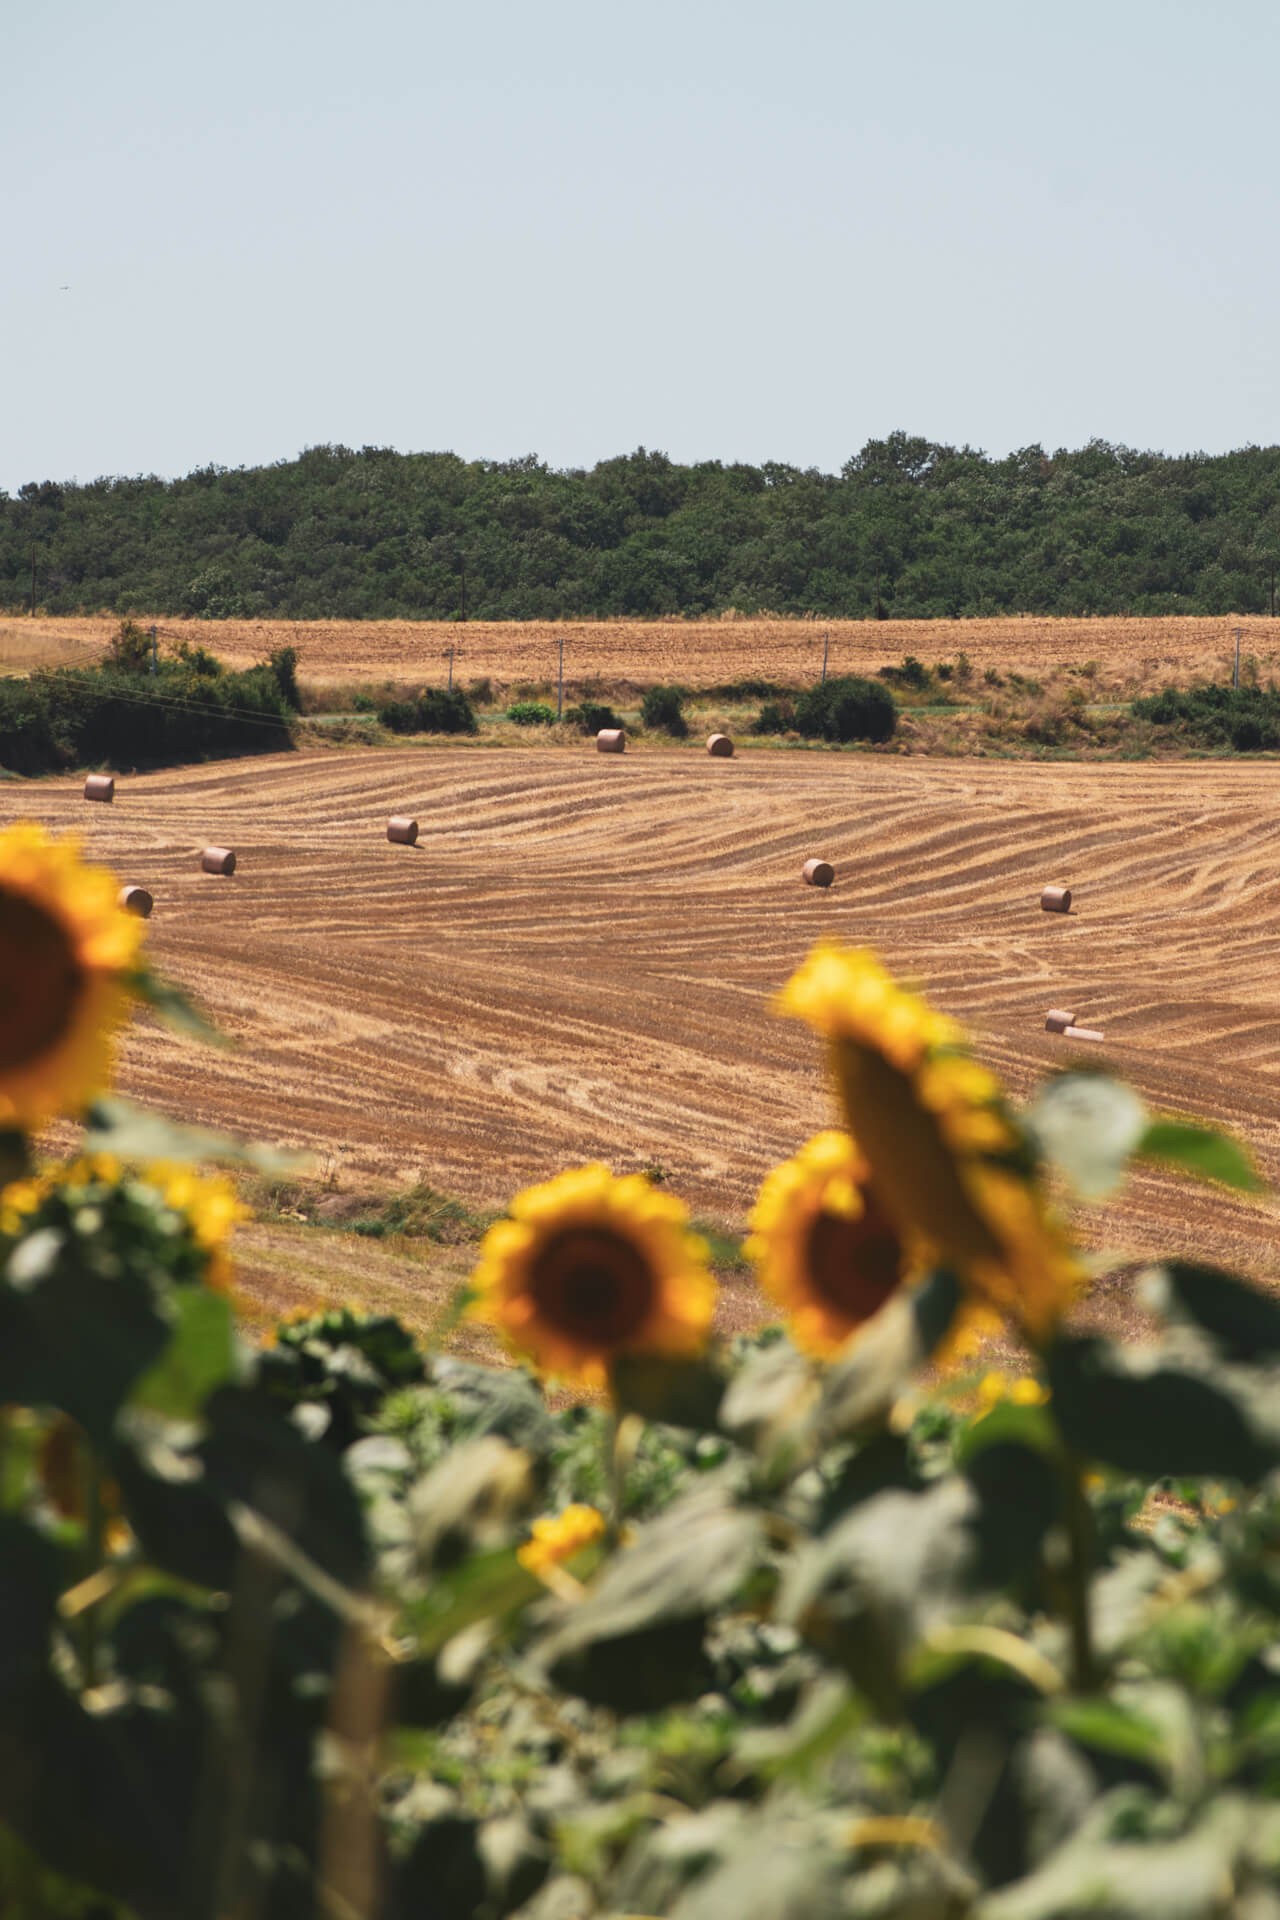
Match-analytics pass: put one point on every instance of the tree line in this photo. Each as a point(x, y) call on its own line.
point(907, 529)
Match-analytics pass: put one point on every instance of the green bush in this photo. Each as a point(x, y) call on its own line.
point(1244, 718)
point(446, 710)
point(775, 716)
point(662, 711)
point(107, 716)
point(912, 673)
point(284, 665)
point(591, 716)
point(849, 708)
point(531, 713)
point(438, 710)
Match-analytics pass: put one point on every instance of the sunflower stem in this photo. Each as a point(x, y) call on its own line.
point(94, 1557)
point(1084, 1675)
point(622, 1438)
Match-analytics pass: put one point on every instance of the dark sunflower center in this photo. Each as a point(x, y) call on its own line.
point(592, 1286)
point(40, 981)
point(854, 1265)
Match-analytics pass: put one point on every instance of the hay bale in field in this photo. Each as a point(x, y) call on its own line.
point(720, 746)
point(100, 786)
point(1056, 899)
point(1082, 1033)
point(135, 900)
point(1056, 1021)
point(218, 860)
point(402, 830)
point(611, 740)
point(819, 873)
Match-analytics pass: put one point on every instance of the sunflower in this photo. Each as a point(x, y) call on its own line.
point(588, 1267)
point(164, 1215)
point(558, 1538)
point(210, 1208)
point(946, 1158)
point(824, 1248)
point(66, 951)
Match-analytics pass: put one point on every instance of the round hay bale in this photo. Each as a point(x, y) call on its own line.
point(1082, 1033)
point(100, 786)
point(720, 746)
point(819, 873)
point(218, 860)
point(135, 900)
point(611, 740)
point(1056, 1021)
point(1056, 899)
point(402, 830)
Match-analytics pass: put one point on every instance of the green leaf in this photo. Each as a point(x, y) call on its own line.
point(1242, 1319)
point(200, 1356)
point(861, 1385)
point(668, 1387)
point(1202, 1151)
point(488, 1586)
point(636, 1642)
point(117, 1126)
point(1110, 1727)
point(1152, 1414)
point(1089, 1127)
point(174, 1007)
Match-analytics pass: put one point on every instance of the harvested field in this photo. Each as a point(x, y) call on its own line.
point(576, 958)
point(701, 653)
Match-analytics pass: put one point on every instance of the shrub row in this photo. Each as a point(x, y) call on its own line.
point(848, 708)
point(109, 716)
point(437, 710)
point(1246, 718)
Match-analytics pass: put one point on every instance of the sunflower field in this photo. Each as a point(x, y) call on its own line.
point(841, 1619)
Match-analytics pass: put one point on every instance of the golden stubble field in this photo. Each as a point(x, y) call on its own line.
point(701, 653)
point(576, 960)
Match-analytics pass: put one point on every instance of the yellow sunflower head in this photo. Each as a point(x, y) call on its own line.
point(558, 1538)
point(588, 1267)
point(166, 1217)
point(825, 1250)
point(945, 1156)
point(66, 951)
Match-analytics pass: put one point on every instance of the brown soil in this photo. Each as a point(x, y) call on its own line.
point(576, 959)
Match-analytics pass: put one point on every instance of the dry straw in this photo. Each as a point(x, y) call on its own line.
point(136, 900)
point(218, 860)
point(720, 746)
point(1056, 899)
point(1082, 1033)
point(611, 740)
point(402, 830)
point(100, 786)
point(1056, 1021)
point(819, 873)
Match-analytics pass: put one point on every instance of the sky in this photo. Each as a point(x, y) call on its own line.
point(750, 230)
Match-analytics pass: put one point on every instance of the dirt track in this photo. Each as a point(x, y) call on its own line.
point(576, 959)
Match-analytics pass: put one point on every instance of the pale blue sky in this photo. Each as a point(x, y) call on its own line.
point(737, 231)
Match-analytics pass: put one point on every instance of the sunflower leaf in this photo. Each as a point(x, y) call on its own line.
point(676, 1389)
point(1203, 1151)
point(1089, 1127)
point(200, 1356)
point(117, 1126)
point(175, 1007)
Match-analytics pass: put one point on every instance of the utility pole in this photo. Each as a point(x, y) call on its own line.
point(560, 686)
point(1235, 678)
point(826, 642)
point(155, 662)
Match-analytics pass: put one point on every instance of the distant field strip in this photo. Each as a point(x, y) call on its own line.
point(576, 959)
point(700, 653)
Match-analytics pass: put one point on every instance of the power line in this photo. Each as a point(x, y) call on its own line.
point(175, 702)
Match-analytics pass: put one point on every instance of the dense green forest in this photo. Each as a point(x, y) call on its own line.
point(907, 528)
